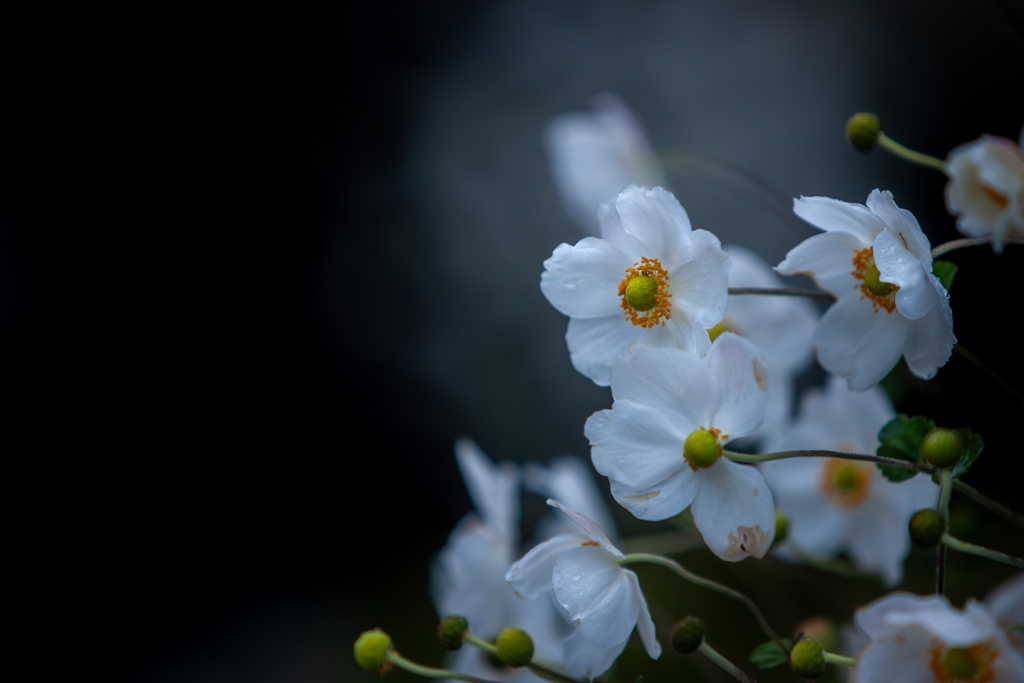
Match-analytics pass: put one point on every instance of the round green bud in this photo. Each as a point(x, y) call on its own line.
point(450, 631)
point(701, 449)
point(942, 447)
point(926, 528)
point(781, 526)
point(960, 662)
point(642, 293)
point(808, 658)
point(514, 647)
point(822, 629)
point(874, 284)
point(371, 649)
point(688, 635)
point(862, 130)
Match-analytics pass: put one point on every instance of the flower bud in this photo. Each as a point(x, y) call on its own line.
point(926, 527)
point(688, 635)
point(807, 658)
point(822, 629)
point(514, 648)
point(450, 631)
point(862, 130)
point(781, 526)
point(371, 649)
point(942, 447)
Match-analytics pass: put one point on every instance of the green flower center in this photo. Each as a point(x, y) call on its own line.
point(960, 662)
point(642, 292)
point(846, 478)
point(701, 449)
point(874, 285)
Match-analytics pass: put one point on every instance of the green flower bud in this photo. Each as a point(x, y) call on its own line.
point(874, 284)
point(701, 449)
point(926, 528)
point(781, 526)
point(807, 658)
point(822, 630)
point(371, 649)
point(450, 631)
point(942, 447)
point(688, 635)
point(514, 647)
point(642, 292)
point(862, 130)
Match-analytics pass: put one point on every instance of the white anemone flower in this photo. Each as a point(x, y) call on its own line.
point(568, 479)
point(650, 279)
point(1006, 601)
point(661, 442)
point(597, 593)
point(986, 188)
point(594, 155)
point(839, 505)
point(878, 262)
point(917, 639)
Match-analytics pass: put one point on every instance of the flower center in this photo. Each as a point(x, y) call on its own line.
point(701, 448)
point(845, 484)
point(972, 663)
point(645, 296)
point(1000, 199)
point(882, 294)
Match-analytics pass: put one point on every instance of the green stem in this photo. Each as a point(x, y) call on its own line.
point(721, 661)
point(969, 242)
point(429, 671)
point(539, 669)
point(902, 464)
point(784, 291)
point(970, 548)
point(910, 155)
point(708, 583)
point(833, 658)
point(945, 491)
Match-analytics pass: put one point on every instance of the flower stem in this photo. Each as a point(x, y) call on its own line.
point(964, 547)
point(989, 504)
point(833, 658)
point(910, 155)
point(969, 242)
point(945, 490)
point(721, 661)
point(667, 543)
point(429, 671)
point(784, 291)
point(902, 464)
point(708, 583)
point(539, 669)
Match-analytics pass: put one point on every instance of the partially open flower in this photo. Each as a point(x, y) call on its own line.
point(986, 188)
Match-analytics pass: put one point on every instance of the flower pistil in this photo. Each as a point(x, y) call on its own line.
point(645, 296)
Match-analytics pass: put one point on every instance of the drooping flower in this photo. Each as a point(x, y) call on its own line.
point(648, 279)
point(596, 592)
point(986, 188)
point(917, 639)
point(594, 155)
point(661, 443)
point(835, 505)
point(878, 262)
point(570, 480)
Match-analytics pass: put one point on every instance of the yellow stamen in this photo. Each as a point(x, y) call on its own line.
point(957, 664)
point(882, 294)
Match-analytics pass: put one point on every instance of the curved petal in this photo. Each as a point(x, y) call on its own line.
point(833, 215)
point(634, 444)
point(742, 377)
point(903, 224)
point(856, 342)
point(874, 618)
point(700, 283)
point(644, 623)
point(611, 230)
point(896, 265)
point(584, 659)
point(930, 340)
point(595, 343)
point(674, 383)
point(589, 528)
point(877, 544)
point(570, 479)
point(827, 258)
point(648, 216)
point(530, 576)
point(494, 489)
point(896, 660)
point(582, 281)
point(734, 511)
point(661, 500)
point(594, 590)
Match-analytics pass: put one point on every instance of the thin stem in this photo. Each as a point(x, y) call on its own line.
point(902, 464)
point(730, 668)
point(833, 658)
point(429, 671)
point(965, 547)
point(988, 503)
point(945, 491)
point(784, 291)
point(969, 242)
point(959, 348)
point(708, 583)
point(910, 155)
point(539, 669)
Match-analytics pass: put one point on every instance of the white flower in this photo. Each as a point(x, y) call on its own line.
point(594, 155)
point(918, 639)
point(568, 479)
point(779, 326)
point(986, 188)
point(596, 592)
point(837, 505)
point(649, 279)
point(878, 263)
point(1006, 602)
point(660, 444)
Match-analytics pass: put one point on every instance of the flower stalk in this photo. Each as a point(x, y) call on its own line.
point(902, 464)
point(539, 669)
point(969, 242)
point(910, 155)
point(730, 668)
point(945, 490)
point(833, 658)
point(784, 291)
point(429, 671)
point(971, 549)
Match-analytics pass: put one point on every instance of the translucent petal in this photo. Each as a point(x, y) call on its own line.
point(594, 590)
point(530, 576)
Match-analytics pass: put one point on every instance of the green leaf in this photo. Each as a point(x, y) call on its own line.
point(768, 655)
point(901, 440)
point(945, 270)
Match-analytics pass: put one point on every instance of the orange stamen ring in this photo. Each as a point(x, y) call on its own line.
point(862, 260)
point(662, 310)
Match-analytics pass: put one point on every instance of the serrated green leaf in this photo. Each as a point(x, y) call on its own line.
point(901, 440)
point(973, 446)
point(945, 270)
point(768, 655)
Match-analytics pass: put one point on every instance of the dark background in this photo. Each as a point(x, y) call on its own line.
point(257, 272)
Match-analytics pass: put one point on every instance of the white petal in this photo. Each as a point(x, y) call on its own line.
point(873, 619)
point(612, 230)
point(570, 479)
point(700, 282)
point(589, 527)
point(896, 265)
point(530, 576)
point(634, 444)
point(1006, 601)
point(675, 383)
point(595, 343)
point(903, 224)
point(904, 611)
point(856, 342)
point(930, 340)
point(494, 489)
point(594, 590)
point(582, 281)
point(584, 659)
point(644, 624)
point(742, 377)
point(827, 258)
point(877, 544)
point(816, 526)
point(835, 216)
point(734, 511)
point(650, 217)
point(662, 500)
point(896, 660)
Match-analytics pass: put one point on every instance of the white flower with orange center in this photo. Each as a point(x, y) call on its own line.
point(661, 443)
point(878, 263)
point(650, 279)
point(917, 639)
point(842, 505)
point(986, 188)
